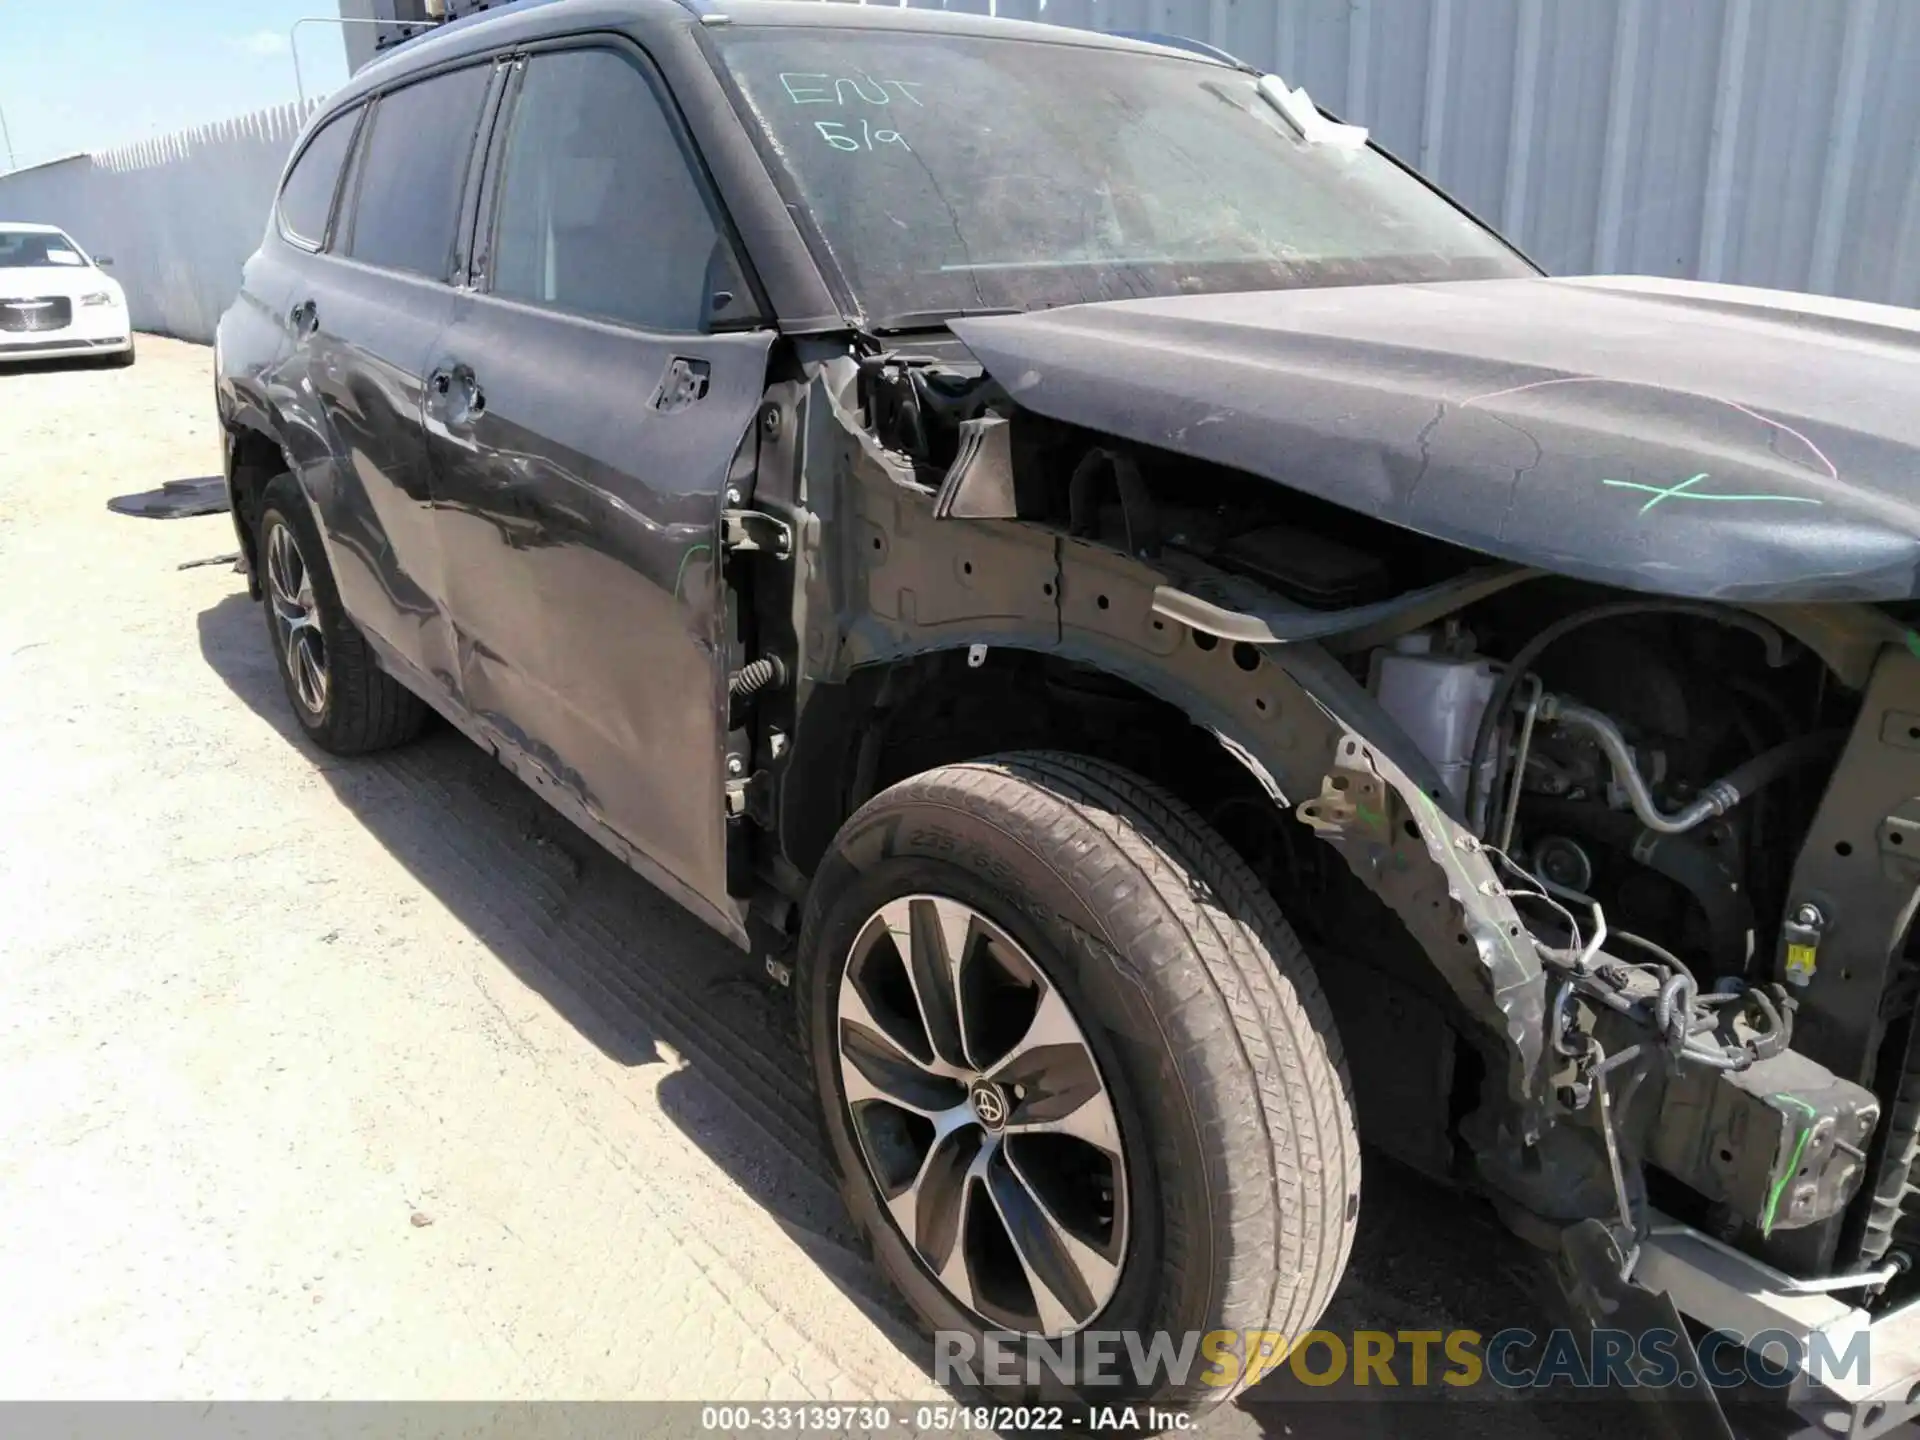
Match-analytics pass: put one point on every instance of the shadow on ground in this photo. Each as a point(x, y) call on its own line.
point(637, 975)
point(53, 366)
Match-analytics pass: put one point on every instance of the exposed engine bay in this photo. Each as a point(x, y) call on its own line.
point(1645, 775)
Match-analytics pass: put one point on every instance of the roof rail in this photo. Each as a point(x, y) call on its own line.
point(435, 15)
point(446, 11)
point(409, 30)
point(1181, 42)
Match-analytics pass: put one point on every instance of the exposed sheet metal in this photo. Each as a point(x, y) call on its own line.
point(1663, 436)
point(1266, 619)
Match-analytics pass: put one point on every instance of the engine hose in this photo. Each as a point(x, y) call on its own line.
point(1522, 661)
point(1769, 765)
point(1686, 862)
point(1715, 799)
point(1667, 1021)
point(1673, 1009)
point(1681, 1016)
point(1778, 1007)
point(1679, 1023)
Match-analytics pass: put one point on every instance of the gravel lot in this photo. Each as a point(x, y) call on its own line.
point(375, 1079)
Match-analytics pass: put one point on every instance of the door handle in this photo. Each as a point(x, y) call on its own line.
point(471, 402)
point(684, 383)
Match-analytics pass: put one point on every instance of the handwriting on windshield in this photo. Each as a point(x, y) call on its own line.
point(841, 136)
point(821, 88)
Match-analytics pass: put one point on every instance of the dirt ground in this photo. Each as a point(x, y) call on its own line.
point(375, 1079)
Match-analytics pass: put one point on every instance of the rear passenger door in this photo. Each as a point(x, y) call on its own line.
point(365, 326)
point(256, 332)
point(582, 414)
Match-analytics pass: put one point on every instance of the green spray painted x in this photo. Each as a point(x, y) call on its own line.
point(1685, 491)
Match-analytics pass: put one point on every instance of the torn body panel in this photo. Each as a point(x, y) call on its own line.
point(889, 579)
point(1004, 531)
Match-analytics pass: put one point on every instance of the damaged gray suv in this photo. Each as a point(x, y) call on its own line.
point(1184, 649)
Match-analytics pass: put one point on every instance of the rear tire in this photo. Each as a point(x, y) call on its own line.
point(343, 700)
point(1237, 1166)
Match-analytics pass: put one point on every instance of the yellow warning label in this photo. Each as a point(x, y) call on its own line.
point(1800, 959)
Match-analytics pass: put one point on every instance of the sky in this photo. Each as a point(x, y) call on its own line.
point(93, 74)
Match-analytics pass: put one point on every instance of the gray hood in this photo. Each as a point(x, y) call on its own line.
point(1663, 436)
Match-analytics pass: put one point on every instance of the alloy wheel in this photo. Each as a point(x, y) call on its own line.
point(296, 617)
point(982, 1116)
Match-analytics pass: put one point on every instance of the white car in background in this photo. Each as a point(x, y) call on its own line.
point(55, 301)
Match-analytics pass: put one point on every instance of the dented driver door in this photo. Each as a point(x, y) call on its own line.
point(582, 411)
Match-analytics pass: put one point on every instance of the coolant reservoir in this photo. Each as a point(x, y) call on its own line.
point(1438, 699)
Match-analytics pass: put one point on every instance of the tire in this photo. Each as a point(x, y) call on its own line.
point(125, 358)
point(1238, 1160)
point(356, 707)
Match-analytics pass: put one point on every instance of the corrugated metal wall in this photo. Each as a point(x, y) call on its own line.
point(1767, 142)
point(1764, 142)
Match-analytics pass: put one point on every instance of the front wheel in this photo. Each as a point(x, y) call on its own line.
point(1077, 1076)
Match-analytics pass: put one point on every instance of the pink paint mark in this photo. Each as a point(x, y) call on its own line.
point(1780, 425)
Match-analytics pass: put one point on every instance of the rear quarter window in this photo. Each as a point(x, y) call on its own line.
point(306, 200)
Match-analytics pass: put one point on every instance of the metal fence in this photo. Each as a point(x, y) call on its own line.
point(1764, 142)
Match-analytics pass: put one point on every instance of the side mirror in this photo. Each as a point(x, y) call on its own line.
point(103, 261)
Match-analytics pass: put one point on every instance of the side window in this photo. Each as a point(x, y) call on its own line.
point(307, 198)
point(598, 209)
point(408, 177)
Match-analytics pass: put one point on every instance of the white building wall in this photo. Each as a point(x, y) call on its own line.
point(179, 215)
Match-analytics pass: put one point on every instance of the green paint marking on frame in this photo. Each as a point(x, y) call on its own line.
point(681, 574)
point(1913, 642)
point(1793, 1165)
point(1685, 491)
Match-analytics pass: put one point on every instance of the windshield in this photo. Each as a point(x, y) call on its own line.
point(953, 174)
point(35, 249)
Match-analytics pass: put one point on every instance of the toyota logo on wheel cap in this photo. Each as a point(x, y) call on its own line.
point(989, 1104)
